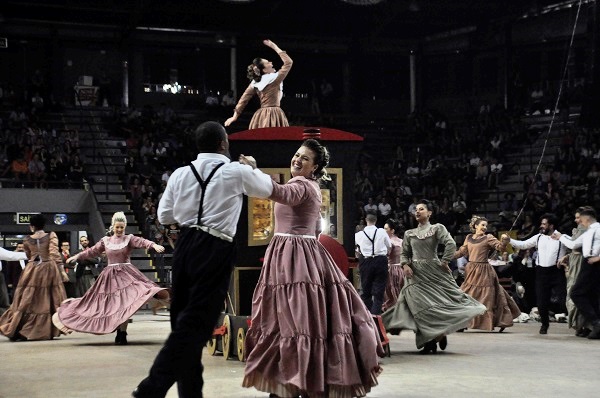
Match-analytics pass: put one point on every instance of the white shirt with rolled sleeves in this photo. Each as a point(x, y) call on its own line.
point(549, 250)
point(223, 198)
point(589, 241)
point(382, 241)
point(7, 255)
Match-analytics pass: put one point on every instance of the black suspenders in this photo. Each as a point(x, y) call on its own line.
point(203, 184)
point(372, 242)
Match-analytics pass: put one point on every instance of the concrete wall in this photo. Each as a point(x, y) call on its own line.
point(49, 202)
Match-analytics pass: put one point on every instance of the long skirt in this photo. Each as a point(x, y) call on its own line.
point(270, 116)
point(481, 283)
point(431, 304)
point(37, 297)
point(575, 319)
point(311, 333)
point(120, 290)
point(394, 285)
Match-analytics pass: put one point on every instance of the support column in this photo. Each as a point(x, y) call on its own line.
point(125, 99)
point(232, 71)
point(413, 81)
point(590, 117)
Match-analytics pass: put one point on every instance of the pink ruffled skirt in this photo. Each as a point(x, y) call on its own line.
point(120, 290)
point(311, 333)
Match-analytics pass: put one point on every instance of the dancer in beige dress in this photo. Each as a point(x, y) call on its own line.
point(267, 83)
point(481, 281)
point(40, 290)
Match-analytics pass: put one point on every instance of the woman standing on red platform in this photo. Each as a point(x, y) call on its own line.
point(311, 334)
point(481, 281)
point(267, 83)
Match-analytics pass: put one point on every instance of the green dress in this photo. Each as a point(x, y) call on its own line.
point(430, 303)
point(575, 319)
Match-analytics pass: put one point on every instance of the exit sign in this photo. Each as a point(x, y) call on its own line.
point(25, 218)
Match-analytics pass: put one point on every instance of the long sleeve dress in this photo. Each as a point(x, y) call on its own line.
point(575, 319)
point(430, 303)
point(38, 294)
point(270, 113)
point(396, 275)
point(120, 290)
point(481, 283)
point(311, 333)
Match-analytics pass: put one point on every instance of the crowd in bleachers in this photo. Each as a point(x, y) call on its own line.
point(456, 165)
point(34, 154)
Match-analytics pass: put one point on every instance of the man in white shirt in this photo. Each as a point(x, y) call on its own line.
point(548, 276)
point(370, 207)
point(372, 246)
point(384, 208)
point(585, 293)
point(205, 198)
point(7, 255)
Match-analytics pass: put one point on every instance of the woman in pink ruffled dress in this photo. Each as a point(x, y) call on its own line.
point(311, 334)
point(396, 275)
point(120, 290)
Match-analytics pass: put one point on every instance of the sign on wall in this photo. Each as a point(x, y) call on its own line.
point(24, 218)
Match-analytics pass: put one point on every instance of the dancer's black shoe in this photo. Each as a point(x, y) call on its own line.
point(443, 343)
point(429, 348)
point(121, 338)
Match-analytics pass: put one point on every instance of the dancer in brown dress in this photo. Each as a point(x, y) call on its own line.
point(481, 281)
point(396, 275)
point(267, 83)
point(40, 290)
point(311, 333)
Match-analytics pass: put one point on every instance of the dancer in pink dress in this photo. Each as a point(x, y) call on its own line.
point(311, 333)
point(120, 290)
point(396, 275)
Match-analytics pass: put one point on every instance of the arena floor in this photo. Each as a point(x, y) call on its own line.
point(516, 363)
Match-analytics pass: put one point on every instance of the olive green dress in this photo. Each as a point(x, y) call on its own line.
point(575, 319)
point(430, 303)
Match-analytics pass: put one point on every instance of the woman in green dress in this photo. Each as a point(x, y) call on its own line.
point(572, 263)
point(430, 303)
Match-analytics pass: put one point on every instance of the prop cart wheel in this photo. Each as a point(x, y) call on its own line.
point(211, 346)
point(227, 337)
point(241, 341)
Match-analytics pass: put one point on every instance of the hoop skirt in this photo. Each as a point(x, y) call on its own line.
point(430, 303)
point(311, 333)
point(38, 294)
point(120, 290)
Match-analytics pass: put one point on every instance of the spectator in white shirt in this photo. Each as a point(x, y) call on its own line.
point(370, 207)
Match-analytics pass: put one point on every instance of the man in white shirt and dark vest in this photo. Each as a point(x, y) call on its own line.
point(548, 276)
point(372, 246)
point(205, 198)
point(585, 293)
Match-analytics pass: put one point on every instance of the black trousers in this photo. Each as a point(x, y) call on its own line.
point(373, 279)
point(202, 266)
point(547, 280)
point(585, 293)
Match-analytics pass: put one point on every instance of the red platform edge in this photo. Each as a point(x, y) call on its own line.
point(292, 133)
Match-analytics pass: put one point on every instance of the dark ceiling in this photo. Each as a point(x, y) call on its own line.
point(390, 19)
